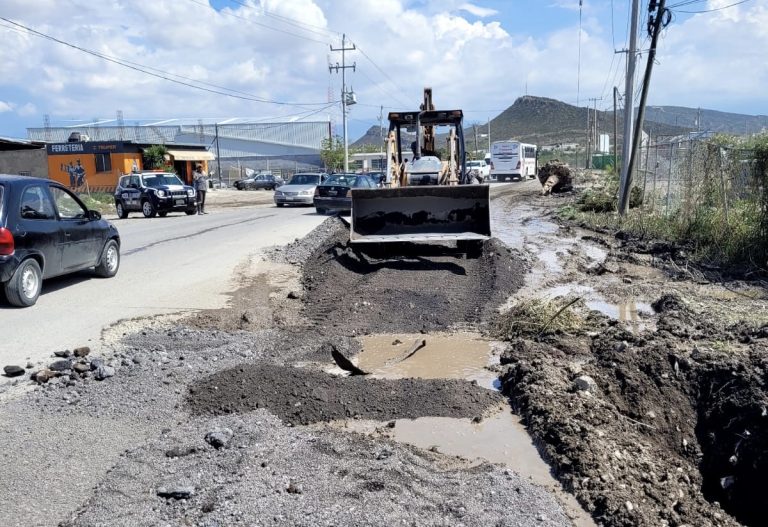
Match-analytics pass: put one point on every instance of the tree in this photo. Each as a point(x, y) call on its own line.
point(332, 153)
point(154, 158)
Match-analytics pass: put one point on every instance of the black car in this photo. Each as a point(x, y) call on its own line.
point(262, 181)
point(154, 193)
point(334, 192)
point(46, 231)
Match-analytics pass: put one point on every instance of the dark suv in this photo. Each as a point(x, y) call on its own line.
point(153, 193)
point(46, 231)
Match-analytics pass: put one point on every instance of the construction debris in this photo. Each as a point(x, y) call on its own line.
point(555, 176)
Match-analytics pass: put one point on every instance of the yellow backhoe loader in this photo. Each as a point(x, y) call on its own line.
point(424, 198)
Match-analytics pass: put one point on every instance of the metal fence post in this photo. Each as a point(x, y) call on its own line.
point(669, 176)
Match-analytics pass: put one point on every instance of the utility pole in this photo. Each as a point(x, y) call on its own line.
point(655, 25)
point(596, 137)
point(591, 132)
point(628, 99)
point(489, 135)
point(344, 93)
point(474, 127)
point(586, 156)
point(218, 153)
point(615, 128)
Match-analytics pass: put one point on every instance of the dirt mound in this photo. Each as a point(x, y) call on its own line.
point(555, 176)
point(650, 431)
point(405, 287)
point(302, 396)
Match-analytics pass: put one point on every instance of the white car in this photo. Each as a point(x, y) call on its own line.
point(300, 190)
point(480, 168)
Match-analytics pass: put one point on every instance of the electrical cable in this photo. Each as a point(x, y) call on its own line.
point(713, 9)
point(187, 81)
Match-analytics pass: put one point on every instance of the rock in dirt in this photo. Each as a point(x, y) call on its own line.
point(293, 295)
point(13, 371)
point(176, 493)
point(669, 302)
point(60, 365)
point(96, 363)
point(82, 351)
point(585, 383)
point(63, 354)
point(44, 375)
point(219, 437)
point(103, 372)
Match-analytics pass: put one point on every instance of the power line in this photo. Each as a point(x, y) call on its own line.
point(187, 81)
point(714, 9)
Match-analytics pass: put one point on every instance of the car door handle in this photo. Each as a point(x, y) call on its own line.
point(67, 234)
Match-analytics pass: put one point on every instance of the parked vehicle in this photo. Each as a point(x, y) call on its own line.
point(334, 193)
point(479, 169)
point(513, 160)
point(46, 231)
point(300, 190)
point(153, 193)
point(378, 177)
point(261, 181)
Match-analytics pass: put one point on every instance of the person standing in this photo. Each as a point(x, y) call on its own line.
point(201, 186)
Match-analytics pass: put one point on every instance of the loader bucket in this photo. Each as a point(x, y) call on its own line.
point(420, 214)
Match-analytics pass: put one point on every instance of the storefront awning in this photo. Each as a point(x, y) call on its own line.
point(192, 155)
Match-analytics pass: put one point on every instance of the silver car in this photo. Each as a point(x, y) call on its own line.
point(300, 190)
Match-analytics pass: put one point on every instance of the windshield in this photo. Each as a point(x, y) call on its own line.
point(344, 180)
point(305, 179)
point(475, 164)
point(159, 180)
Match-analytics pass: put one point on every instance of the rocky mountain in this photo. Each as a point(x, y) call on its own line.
point(545, 121)
point(708, 120)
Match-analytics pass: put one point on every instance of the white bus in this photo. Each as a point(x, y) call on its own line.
point(512, 160)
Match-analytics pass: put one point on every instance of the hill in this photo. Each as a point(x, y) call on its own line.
point(710, 120)
point(541, 121)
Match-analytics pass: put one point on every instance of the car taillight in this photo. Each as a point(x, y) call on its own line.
point(348, 193)
point(7, 245)
point(518, 164)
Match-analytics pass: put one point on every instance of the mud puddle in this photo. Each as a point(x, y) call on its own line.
point(443, 356)
point(499, 437)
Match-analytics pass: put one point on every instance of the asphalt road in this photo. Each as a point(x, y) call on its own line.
point(168, 265)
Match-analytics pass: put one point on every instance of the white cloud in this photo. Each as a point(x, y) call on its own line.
point(480, 66)
point(5, 107)
point(27, 109)
point(478, 11)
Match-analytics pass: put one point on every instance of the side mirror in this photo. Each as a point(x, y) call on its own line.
point(94, 215)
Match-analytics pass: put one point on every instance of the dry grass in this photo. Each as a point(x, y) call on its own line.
point(539, 317)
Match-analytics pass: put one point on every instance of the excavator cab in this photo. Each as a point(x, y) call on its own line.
point(429, 195)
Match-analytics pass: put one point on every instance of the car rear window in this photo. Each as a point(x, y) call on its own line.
point(345, 180)
point(305, 179)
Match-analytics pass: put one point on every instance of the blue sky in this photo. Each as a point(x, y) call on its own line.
point(477, 55)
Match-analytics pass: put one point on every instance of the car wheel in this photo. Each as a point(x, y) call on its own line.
point(163, 214)
point(110, 260)
point(279, 204)
point(148, 209)
point(321, 210)
point(24, 286)
point(191, 212)
point(121, 212)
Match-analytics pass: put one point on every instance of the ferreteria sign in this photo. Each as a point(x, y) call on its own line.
point(91, 147)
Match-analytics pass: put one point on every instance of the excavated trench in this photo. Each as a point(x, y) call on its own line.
point(673, 432)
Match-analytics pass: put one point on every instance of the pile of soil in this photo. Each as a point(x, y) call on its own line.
point(405, 287)
point(301, 396)
point(555, 176)
point(671, 432)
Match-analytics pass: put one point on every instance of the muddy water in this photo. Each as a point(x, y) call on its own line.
point(497, 438)
point(444, 356)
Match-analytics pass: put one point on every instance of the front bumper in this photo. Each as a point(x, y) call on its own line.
point(296, 199)
point(175, 203)
point(339, 203)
